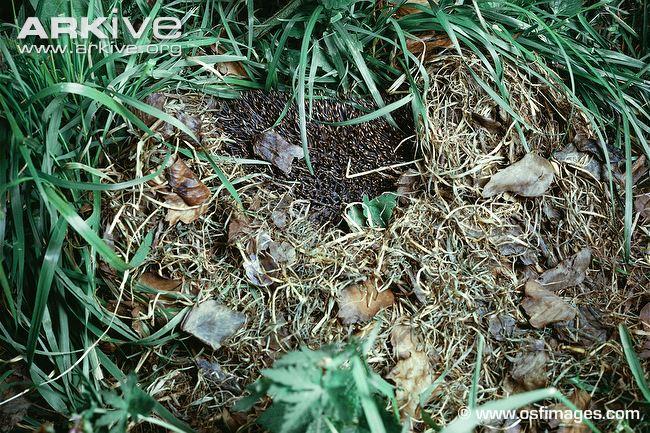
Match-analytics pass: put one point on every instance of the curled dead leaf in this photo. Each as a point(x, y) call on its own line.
point(360, 302)
point(529, 177)
point(407, 184)
point(488, 123)
point(412, 373)
point(568, 273)
point(155, 281)
point(185, 183)
point(408, 7)
point(272, 147)
point(239, 228)
point(584, 161)
point(569, 423)
point(544, 307)
point(156, 100)
point(265, 258)
point(428, 44)
point(642, 206)
point(178, 210)
point(529, 369)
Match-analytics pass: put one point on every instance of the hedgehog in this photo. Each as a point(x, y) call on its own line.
point(336, 152)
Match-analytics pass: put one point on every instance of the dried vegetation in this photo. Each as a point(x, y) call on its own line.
point(474, 250)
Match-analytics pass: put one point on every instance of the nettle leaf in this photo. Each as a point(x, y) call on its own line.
point(294, 378)
point(258, 390)
point(314, 391)
point(289, 418)
point(141, 404)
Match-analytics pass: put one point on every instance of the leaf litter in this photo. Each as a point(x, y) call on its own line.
point(272, 147)
point(568, 273)
point(529, 177)
point(212, 323)
point(360, 302)
point(437, 244)
point(544, 307)
point(412, 373)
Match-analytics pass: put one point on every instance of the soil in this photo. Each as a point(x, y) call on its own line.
point(337, 152)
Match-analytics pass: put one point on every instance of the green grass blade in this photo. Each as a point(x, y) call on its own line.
point(375, 114)
point(45, 277)
point(473, 394)
point(81, 227)
point(302, 68)
point(633, 362)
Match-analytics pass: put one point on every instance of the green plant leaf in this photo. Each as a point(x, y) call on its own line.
point(633, 362)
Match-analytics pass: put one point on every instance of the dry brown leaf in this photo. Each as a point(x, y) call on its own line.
point(568, 273)
point(185, 183)
point(529, 177)
point(239, 228)
point(529, 369)
point(585, 161)
point(264, 258)
point(156, 100)
point(428, 44)
point(407, 10)
point(178, 210)
point(212, 323)
point(501, 326)
point(155, 281)
point(642, 206)
point(407, 184)
point(544, 307)
point(644, 316)
point(272, 147)
point(568, 424)
point(360, 302)
point(488, 123)
point(412, 373)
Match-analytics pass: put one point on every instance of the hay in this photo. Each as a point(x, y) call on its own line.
point(442, 255)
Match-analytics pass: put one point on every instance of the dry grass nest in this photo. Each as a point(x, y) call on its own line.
point(456, 262)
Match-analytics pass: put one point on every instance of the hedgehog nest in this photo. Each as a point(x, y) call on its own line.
point(438, 255)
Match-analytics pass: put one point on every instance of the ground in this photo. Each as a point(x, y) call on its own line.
point(455, 262)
